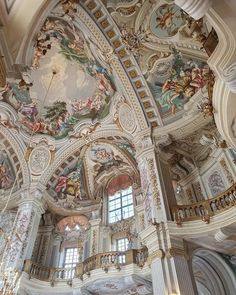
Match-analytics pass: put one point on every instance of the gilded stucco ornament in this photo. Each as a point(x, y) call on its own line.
point(132, 40)
point(156, 254)
point(173, 252)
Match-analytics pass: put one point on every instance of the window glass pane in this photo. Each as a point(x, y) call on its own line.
point(117, 215)
point(127, 191)
point(127, 200)
point(120, 205)
point(127, 211)
point(71, 257)
point(122, 244)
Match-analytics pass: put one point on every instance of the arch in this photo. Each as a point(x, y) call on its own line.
point(212, 273)
point(72, 221)
point(81, 169)
point(222, 20)
point(75, 145)
point(202, 289)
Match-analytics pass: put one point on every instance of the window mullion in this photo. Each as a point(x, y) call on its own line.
point(121, 205)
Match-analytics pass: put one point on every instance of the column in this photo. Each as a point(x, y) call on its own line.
point(20, 246)
point(169, 261)
point(195, 8)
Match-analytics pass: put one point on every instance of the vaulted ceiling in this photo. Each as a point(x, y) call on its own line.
point(87, 70)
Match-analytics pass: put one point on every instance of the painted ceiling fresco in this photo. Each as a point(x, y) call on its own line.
point(81, 183)
point(168, 46)
point(7, 174)
point(166, 20)
point(174, 81)
point(70, 81)
point(66, 84)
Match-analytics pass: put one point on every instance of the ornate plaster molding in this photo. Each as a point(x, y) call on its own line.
point(229, 77)
point(18, 147)
point(195, 8)
point(224, 234)
point(173, 252)
point(156, 254)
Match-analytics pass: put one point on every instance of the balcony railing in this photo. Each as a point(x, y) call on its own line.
point(48, 274)
point(99, 261)
point(203, 210)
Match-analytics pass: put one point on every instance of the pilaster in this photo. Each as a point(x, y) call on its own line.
point(169, 262)
point(25, 229)
point(156, 183)
point(45, 245)
point(95, 235)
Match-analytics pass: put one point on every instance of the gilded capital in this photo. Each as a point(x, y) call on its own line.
point(173, 252)
point(156, 254)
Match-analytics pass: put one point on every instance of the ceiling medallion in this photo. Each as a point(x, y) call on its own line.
point(126, 118)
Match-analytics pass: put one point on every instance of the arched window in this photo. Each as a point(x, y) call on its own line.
point(120, 205)
point(71, 257)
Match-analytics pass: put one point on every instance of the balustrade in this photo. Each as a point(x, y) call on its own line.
point(102, 260)
point(205, 209)
point(113, 258)
point(48, 274)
